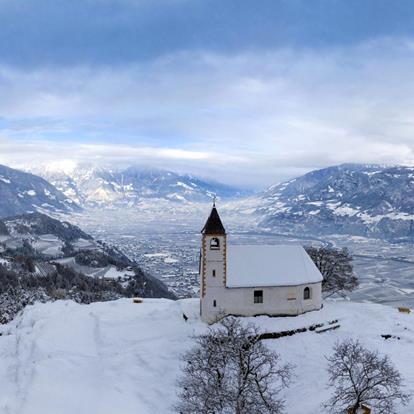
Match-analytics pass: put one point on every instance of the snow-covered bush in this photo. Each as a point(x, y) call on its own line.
point(361, 376)
point(230, 370)
point(15, 299)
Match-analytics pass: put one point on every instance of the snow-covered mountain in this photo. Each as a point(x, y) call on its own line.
point(21, 192)
point(367, 200)
point(88, 184)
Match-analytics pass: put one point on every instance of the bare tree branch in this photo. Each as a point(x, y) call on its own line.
point(336, 268)
point(230, 370)
point(360, 376)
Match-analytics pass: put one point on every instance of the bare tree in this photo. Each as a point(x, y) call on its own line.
point(336, 268)
point(231, 371)
point(360, 376)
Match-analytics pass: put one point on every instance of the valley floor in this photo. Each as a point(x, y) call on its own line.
point(166, 244)
point(121, 357)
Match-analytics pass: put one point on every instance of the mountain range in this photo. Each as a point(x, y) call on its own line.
point(365, 200)
point(91, 185)
point(356, 199)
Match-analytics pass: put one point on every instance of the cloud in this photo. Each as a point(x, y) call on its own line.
point(249, 118)
point(32, 153)
point(37, 33)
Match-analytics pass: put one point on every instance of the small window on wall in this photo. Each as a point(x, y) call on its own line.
point(306, 293)
point(214, 243)
point(214, 303)
point(258, 296)
point(214, 272)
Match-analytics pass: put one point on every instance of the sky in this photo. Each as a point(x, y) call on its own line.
point(245, 92)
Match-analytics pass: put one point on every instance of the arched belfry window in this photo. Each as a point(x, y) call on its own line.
point(214, 243)
point(306, 293)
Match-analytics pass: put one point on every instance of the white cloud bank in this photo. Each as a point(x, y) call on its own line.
point(251, 118)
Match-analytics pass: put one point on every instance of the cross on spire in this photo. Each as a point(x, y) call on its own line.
point(214, 200)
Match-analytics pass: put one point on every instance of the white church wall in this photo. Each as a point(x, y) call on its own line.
point(282, 300)
point(213, 304)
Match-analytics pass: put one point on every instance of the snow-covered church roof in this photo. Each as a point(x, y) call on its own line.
point(269, 265)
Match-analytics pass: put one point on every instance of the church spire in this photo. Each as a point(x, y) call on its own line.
point(213, 224)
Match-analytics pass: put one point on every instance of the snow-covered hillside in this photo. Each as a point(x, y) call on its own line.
point(41, 252)
point(21, 192)
point(122, 357)
point(47, 236)
point(365, 200)
point(91, 185)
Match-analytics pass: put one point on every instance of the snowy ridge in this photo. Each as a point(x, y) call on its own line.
point(123, 357)
point(21, 193)
point(92, 185)
point(365, 200)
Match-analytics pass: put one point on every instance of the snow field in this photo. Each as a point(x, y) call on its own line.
point(121, 357)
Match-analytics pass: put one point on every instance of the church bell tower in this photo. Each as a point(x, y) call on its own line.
point(212, 267)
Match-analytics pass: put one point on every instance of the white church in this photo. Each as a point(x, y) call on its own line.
point(250, 280)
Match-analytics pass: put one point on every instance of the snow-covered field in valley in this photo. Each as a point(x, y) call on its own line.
point(122, 357)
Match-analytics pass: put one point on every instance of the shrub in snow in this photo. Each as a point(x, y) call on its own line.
point(15, 299)
point(360, 376)
point(230, 370)
point(336, 268)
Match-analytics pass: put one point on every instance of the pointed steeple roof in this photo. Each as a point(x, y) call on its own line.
point(213, 224)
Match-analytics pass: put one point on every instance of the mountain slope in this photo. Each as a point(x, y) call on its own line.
point(21, 192)
point(47, 259)
point(88, 184)
point(367, 200)
point(38, 224)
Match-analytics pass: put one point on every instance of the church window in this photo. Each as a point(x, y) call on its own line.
point(306, 293)
point(214, 303)
point(214, 243)
point(258, 296)
point(214, 272)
